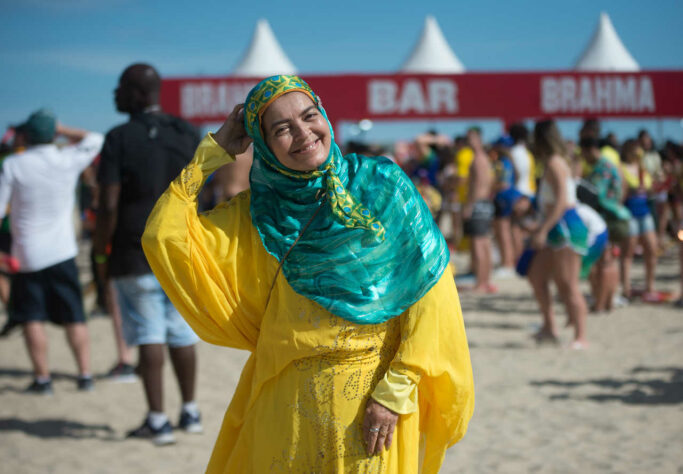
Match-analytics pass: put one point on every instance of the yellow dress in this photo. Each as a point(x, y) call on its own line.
point(299, 404)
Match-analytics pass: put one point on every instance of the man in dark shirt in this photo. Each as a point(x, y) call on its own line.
point(139, 159)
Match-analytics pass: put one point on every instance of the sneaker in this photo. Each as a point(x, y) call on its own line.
point(40, 388)
point(504, 273)
point(620, 301)
point(190, 423)
point(9, 327)
point(85, 383)
point(122, 373)
point(160, 436)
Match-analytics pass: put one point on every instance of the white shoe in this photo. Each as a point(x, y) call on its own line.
point(619, 301)
point(504, 273)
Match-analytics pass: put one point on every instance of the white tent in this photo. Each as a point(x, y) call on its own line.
point(605, 51)
point(432, 54)
point(264, 56)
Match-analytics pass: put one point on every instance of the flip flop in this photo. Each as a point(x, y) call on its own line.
point(578, 346)
point(656, 297)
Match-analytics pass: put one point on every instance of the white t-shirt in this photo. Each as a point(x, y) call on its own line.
point(39, 186)
point(522, 161)
point(594, 221)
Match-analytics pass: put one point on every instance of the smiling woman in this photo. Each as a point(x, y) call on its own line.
point(296, 132)
point(331, 271)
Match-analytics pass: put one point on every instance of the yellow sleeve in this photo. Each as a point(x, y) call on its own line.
point(397, 391)
point(207, 265)
point(434, 357)
point(611, 154)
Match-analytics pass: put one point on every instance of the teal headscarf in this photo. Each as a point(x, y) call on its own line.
point(371, 251)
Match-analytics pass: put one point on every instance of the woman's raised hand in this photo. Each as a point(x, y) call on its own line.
point(232, 136)
point(378, 427)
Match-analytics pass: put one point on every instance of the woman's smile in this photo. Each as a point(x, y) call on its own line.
point(308, 147)
point(297, 132)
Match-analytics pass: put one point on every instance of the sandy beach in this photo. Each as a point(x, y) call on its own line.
point(616, 407)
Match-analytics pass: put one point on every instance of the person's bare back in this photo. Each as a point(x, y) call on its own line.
point(480, 181)
point(481, 177)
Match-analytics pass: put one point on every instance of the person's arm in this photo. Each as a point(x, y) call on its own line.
point(85, 145)
point(211, 266)
point(657, 170)
point(528, 225)
point(433, 362)
point(499, 186)
point(609, 190)
point(471, 189)
point(5, 191)
point(527, 222)
point(646, 181)
point(74, 135)
point(556, 176)
point(625, 190)
point(105, 224)
point(109, 188)
point(424, 142)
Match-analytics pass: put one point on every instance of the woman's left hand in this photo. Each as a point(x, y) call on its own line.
point(378, 427)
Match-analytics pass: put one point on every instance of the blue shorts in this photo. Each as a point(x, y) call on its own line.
point(524, 262)
point(594, 253)
point(147, 315)
point(641, 225)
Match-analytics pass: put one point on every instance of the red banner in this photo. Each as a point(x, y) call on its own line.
point(507, 96)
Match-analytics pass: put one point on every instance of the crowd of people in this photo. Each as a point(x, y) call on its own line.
point(532, 202)
point(121, 175)
point(556, 210)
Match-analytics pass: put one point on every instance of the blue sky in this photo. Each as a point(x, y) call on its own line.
point(68, 54)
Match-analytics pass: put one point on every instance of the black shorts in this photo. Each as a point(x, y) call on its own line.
point(501, 209)
point(5, 242)
point(479, 223)
point(51, 294)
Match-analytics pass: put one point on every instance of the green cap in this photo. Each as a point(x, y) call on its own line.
point(40, 127)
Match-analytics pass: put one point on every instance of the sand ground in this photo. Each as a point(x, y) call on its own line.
point(616, 407)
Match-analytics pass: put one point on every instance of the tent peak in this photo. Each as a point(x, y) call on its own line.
point(605, 51)
point(431, 53)
point(264, 55)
